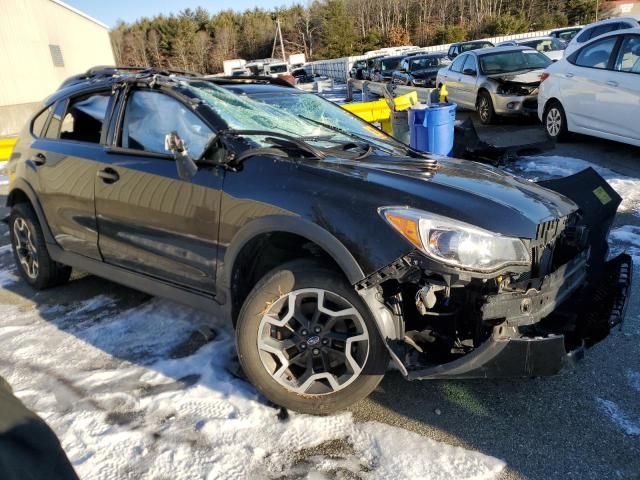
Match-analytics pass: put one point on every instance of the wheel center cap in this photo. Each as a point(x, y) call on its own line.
point(313, 340)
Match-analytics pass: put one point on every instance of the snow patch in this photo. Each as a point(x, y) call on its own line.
point(544, 167)
point(626, 239)
point(105, 382)
point(618, 417)
point(7, 277)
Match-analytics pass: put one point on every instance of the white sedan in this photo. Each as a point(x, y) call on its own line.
point(550, 46)
point(595, 90)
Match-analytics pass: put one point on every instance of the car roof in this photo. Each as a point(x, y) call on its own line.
point(471, 41)
point(566, 29)
point(427, 55)
point(393, 57)
point(612, 20)
point(488, 51)
point(624, 31)
point(102, 77)
point(533, 39)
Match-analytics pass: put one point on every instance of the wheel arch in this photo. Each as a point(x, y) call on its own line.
point(270, 241)
point(22, 192)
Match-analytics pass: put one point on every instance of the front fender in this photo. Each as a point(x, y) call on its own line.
point(298, 226)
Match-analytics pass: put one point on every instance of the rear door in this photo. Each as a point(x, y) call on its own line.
point(588, 91)
point(150, 220)
point(65, 155)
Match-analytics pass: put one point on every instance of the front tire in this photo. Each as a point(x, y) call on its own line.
point(307, 340)
point(485, 109)
point(30, 252)
point(555, 122)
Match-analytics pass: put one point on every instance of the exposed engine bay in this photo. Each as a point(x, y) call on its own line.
point(520, 321)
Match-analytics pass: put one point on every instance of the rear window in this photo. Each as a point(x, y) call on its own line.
point(513, 61)
point(545, 45)
point(84, 118)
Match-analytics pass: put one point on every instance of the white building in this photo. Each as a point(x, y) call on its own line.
point(42, 42)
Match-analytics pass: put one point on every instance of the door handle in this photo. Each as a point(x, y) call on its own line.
point(568, 75)
point(39, 159)
point(108, 175)
point(612, 83)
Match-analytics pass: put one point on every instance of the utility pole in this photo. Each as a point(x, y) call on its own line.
point(276, 37)
point(597, 8)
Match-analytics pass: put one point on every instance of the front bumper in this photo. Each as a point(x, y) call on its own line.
point(512, 352)
point(515, 104)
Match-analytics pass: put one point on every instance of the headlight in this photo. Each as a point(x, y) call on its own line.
point(456, 243)
point(418, 81)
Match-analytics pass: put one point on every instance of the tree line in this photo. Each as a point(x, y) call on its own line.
point(196, 40)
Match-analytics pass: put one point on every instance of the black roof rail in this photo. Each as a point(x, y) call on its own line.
point(108, 71)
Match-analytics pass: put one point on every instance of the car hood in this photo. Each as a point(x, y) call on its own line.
point(527, 77)
point(467, 191)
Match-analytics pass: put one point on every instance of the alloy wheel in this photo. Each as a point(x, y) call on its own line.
point(313, 342)
point(554, 121)
point(25, 248)
point(483, 108)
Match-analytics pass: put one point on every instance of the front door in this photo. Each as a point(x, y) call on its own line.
point(150, 220)
point(452, 80)
point(626, 80)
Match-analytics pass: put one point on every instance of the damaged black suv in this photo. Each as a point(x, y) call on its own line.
point(329, 246)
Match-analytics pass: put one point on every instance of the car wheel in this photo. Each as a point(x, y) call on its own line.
point(485, 109)
point(30, 251)
point(555, 121)
point(307, 340)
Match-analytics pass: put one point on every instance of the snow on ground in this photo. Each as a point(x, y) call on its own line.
point(107, 382)
point(552, 166)
point(618, 417)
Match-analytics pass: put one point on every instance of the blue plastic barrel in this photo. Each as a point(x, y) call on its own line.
point(431, 128)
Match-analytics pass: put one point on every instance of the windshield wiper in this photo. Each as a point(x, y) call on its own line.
point(272, 137)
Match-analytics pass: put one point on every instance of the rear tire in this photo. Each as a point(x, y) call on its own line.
point(30, 252)
point(555, 122)
point(484, 105)
point(308, 359)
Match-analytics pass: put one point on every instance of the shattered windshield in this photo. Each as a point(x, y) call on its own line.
point(242, 113)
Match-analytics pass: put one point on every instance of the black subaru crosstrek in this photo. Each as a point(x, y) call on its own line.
point(330, 249)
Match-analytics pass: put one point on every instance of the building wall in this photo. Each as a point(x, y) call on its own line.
point(27, 29)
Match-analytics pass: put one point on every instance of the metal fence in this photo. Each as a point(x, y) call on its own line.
point(338, 68)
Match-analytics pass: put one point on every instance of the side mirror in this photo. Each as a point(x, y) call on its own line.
point(470, 71)
point(185, 165)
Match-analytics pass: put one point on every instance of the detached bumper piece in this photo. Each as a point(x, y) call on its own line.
point(610, 299)
point(515, 351)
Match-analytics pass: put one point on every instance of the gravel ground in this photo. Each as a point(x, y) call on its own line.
point(578, 425)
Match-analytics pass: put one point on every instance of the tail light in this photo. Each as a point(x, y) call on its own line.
point(544, 76)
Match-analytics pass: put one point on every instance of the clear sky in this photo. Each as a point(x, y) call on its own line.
point(110, 11)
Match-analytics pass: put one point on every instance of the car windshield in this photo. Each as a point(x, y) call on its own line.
point(465, 47)
point(304, 119)
point(428, 62)
point(389, 64)
point(545, 44)
point(513, 61)
point(308, 105)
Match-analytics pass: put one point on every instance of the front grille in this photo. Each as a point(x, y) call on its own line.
point(543, 246)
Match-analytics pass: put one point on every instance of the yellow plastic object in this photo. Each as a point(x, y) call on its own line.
point(379, 111)
point(6, 147)
point(443, 93)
